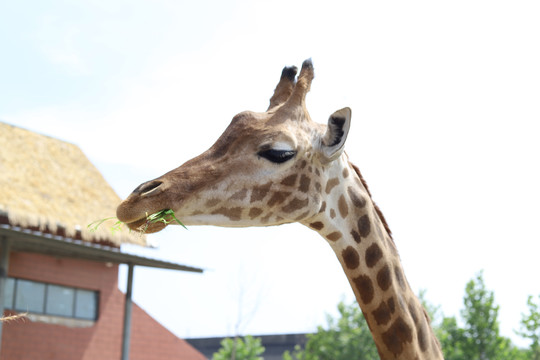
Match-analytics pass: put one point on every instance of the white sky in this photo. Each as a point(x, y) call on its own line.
point(446, 112)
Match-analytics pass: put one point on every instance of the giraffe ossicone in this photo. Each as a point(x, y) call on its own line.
point(279, 166)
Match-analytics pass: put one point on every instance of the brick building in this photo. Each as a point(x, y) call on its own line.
point(62, 275)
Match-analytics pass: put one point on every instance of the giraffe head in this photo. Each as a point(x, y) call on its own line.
point(266, 168)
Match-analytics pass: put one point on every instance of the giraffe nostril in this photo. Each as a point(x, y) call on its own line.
point(148, 187)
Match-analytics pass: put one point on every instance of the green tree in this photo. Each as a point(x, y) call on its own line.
point(346, 338)
point(530, 327)
point(479, 339)
point(481, 333)
point(249, 348)
point(451, 337)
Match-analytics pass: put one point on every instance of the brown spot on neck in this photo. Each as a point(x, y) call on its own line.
point(259, 192)
point(379, 212)
point(384, 278)
point(382, 314)
point(356, 236)
point(350, 258)
point(356, 199)
point(278, 197)
point(334, 236)
point(364, 226)
point(234, 214)
point(396, 336)
point(364, 285)
point(304, 183)
point(317, 225)
point(331, 184)
point(373, 255)
point(295, 204)
point(239, 195)
point(254, 212)
point(211, 203)
point(289, 180)
point(342, 207)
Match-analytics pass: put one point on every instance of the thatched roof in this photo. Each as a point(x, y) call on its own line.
point(49, 185)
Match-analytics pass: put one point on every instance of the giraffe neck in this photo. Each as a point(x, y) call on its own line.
point(357, 233)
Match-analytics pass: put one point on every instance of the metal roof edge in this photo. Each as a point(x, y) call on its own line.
point(45, 243)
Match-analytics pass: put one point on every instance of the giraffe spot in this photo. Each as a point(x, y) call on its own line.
point(413, 312)
point(302, 216)
point(356, 236)
point(364, 226)
point(234, 214)
point(399, 277)
point(368, 320)
point(345, 173)
point(310, 169)
point(289, 180)
point(278, 197)
point(304, 183)
point(239, 195)
point(317, 172)
point(295, 204)
point(331, 184)
point(318, 186)
point(211, 203)
point(422, 334)
point(384, 278)
point(382, 314)
point(365, 287)
point(303, 164)
point(391, 304)
point(356, 199)
point(335, 236)
point(259, 192)
point(323, 207)
point(266, 218)
point(254, 212)
point(350, 257)
point(391, 245)
point(317, 225)
point(342, 207)
point(332, 213)
point(396, 336)
point(373, 255)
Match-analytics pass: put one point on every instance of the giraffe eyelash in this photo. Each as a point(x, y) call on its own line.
point(277, 156)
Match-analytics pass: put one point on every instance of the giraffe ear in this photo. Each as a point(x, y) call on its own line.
point(333, 141)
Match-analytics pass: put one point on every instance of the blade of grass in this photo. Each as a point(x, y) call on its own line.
point(165, 216)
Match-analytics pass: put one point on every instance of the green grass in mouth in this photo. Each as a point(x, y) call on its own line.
point(164, 216)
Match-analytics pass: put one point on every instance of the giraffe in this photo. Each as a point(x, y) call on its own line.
point(279, 166)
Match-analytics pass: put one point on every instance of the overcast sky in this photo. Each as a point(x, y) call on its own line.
point(445, 128)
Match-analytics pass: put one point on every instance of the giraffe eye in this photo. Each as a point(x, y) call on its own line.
point(277, 156)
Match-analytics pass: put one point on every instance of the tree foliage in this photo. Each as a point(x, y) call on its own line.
point(530, 327)
point(345, 338)
point(248, 348)
point(479, 338)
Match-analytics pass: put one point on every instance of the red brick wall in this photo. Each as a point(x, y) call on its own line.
point(34, 340)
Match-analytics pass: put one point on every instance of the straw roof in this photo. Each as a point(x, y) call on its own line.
point(49, 185)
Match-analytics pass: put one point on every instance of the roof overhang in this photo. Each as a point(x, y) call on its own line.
point(25, 240)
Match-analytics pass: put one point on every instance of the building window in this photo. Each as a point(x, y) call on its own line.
point(49, 299)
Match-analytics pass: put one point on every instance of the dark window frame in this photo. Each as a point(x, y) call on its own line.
point(45, 298)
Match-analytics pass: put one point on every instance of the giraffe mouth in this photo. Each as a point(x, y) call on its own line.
point(154, 222)
point(144, 227)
